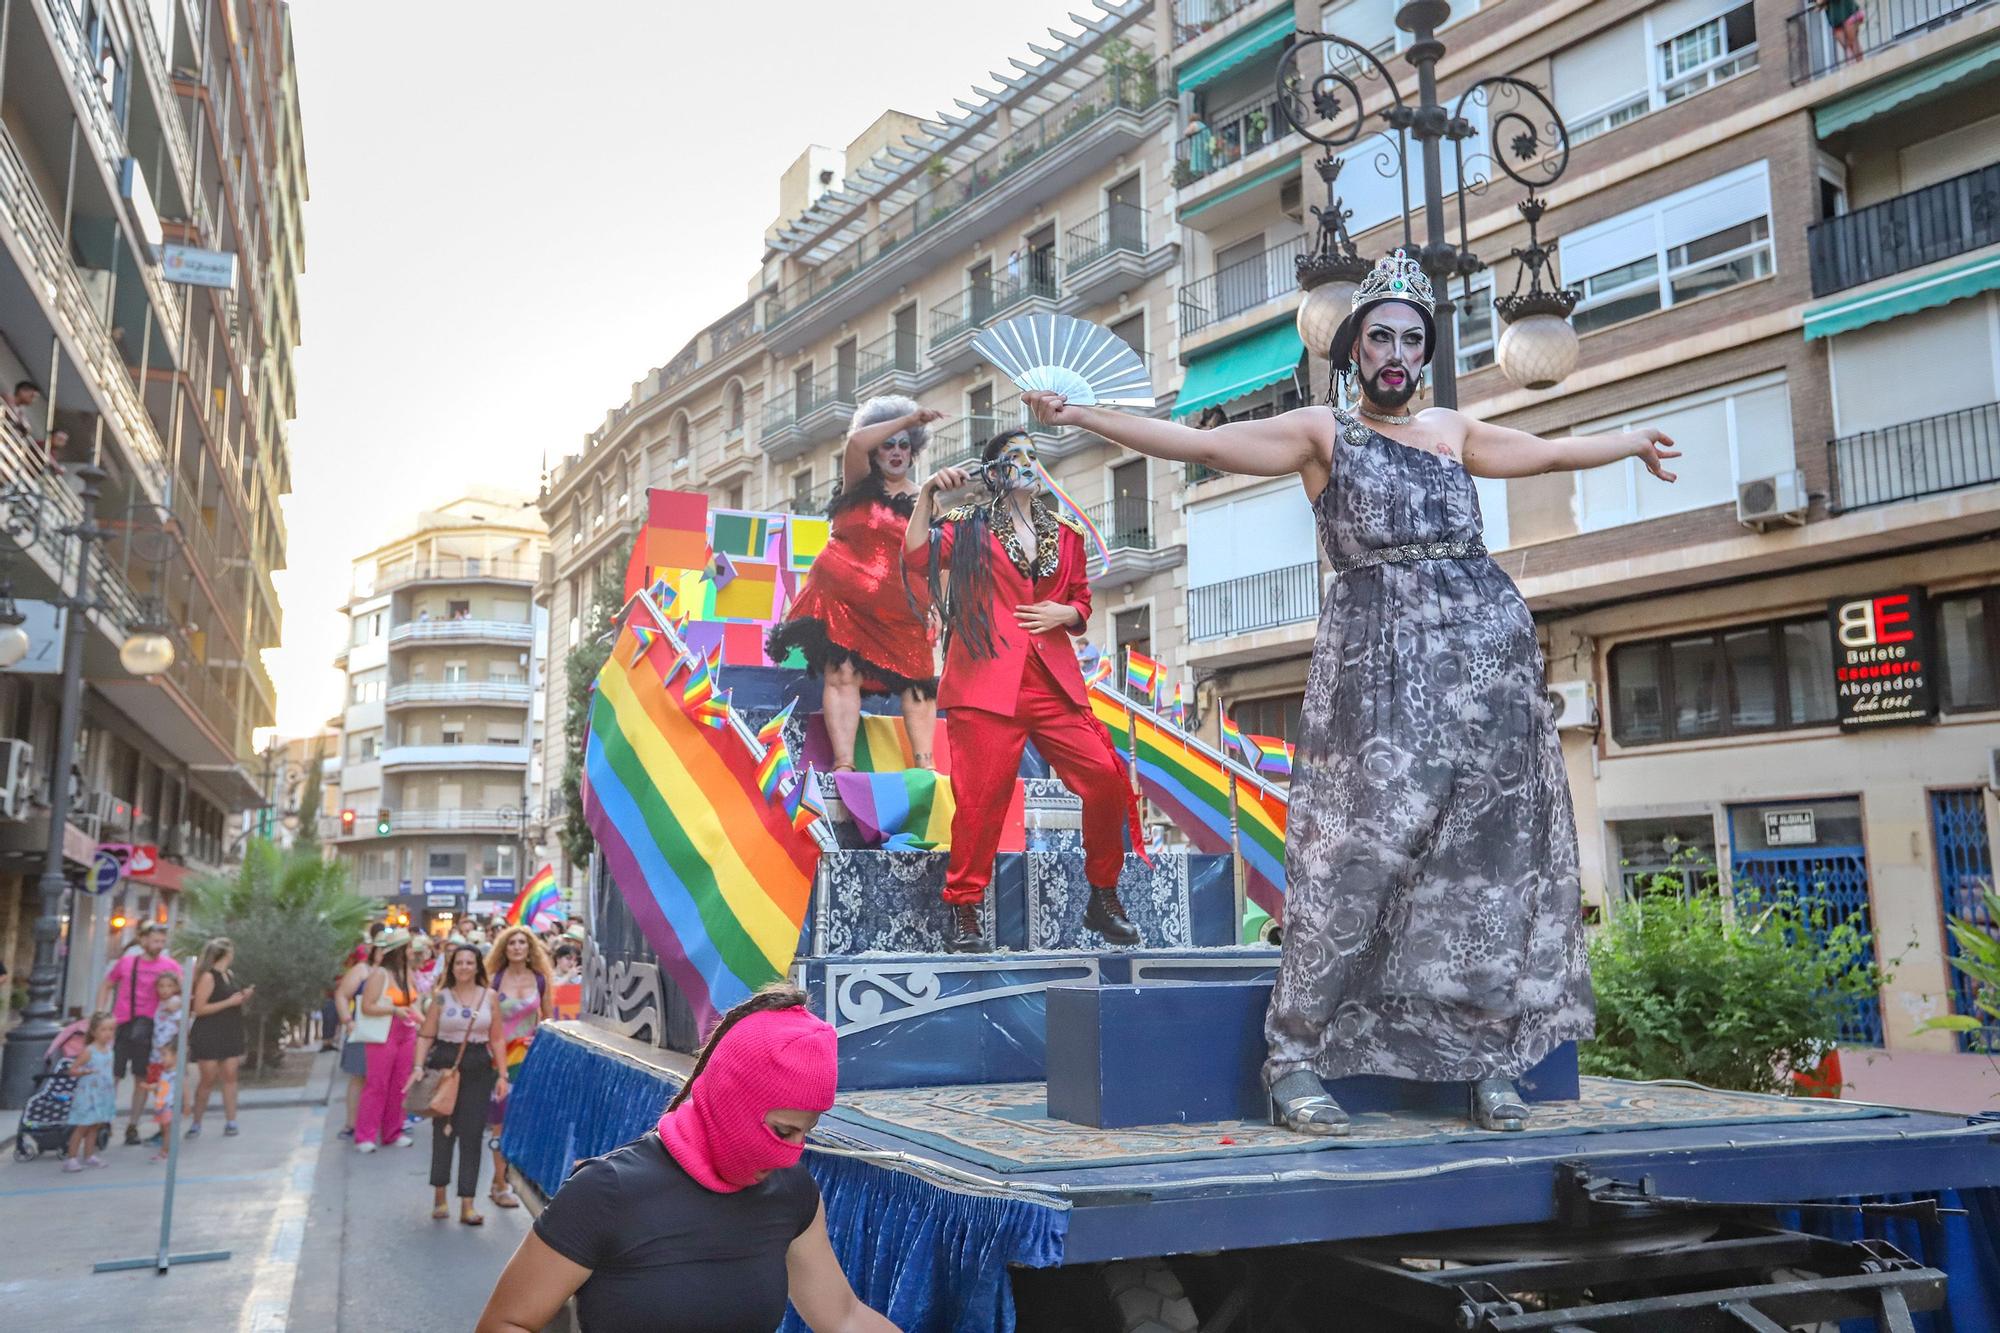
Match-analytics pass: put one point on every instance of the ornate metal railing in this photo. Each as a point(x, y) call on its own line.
point(1254, 602)
point(1952, 217)
point(1227, 137)
point(1929, 456)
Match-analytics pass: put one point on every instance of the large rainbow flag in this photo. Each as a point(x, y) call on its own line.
point(539, 897)
point(716, 876)
point(1184, 778)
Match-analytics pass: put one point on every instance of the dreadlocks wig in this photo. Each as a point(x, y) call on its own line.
point(961, 593)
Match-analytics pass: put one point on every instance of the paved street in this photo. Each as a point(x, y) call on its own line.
point(320, 1238)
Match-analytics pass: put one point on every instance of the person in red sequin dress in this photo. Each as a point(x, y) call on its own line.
point(858, 622)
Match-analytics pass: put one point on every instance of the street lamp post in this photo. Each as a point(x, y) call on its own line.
point(1321, 78)
point(146, 651)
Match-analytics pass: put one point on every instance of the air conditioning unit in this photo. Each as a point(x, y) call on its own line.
point(1768, 500)
point(17, 778)
point(1574, 703)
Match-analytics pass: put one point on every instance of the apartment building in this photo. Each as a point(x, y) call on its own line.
point(442, 668)
point(127, 128)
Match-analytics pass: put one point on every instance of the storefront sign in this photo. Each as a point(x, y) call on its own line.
point(447, 902)
point(496, 887)
point(196, 267)
point(142, 861)
point(1789, 828)
point(105, 871)
point(1881, 659)
point(445, 884)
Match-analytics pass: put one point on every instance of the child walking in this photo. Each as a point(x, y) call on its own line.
point(162, 1073)
point(94, 1104)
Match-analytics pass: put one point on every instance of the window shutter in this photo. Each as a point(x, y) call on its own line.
point(1600, 70)
point(1739, 196)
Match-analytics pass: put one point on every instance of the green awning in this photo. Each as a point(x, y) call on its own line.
point(1904, 298)
point(1219, 374)
point(1910, 86)
point(1218, 60)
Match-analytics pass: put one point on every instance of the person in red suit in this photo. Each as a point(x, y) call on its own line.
point(1010, 576)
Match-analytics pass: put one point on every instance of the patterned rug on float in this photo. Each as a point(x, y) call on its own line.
point(1006, 1125)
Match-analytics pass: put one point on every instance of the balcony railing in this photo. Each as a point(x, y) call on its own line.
point(945, 189)
point(445, 569)
point(1947, 452)
point(1952, 217)
point(1241, 286)
point(1126, 522)
point(1192, 18)
point(890, 354)
point(462, 631)
point(429, 821)
point(1254, 602)
point(1119, 227)
point(459, 692)
point(814, 499)
point(1227, 137)
point(983, 302)
point(459, 755)
point(1815, 51)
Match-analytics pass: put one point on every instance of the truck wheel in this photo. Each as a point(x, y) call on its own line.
point(1147, 1297)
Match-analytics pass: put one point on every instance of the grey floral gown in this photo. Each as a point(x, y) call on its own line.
point(1432, 908)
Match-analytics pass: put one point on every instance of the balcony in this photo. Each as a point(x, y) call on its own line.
point(1106, 257)
point(1952, 217)
point(888, 365)
point(448, 569)
point(1248, 286)
point(1134, 550)
point(1886, 23)
point(812, 501)
point(461, 631)
point(954, 321)
point(1066, 145)
point(504, 822)
point(1227, 137)
point(1192, 18)
point(1929, 456)
point(1254, 602)
point(815, 410)
point(404, 757)
point(417, 692)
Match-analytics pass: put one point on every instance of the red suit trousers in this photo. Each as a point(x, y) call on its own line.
point(986, 759)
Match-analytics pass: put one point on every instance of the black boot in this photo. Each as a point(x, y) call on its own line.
point(1106, 916)
point(966, 935)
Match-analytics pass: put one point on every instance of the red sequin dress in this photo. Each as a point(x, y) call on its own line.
point(855, 608)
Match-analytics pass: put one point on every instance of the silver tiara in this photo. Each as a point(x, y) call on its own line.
point(1397, 277)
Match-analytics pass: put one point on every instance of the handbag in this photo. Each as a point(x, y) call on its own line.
point(369, 1029)
point(435, 1093)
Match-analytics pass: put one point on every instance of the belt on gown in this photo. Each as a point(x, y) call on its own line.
point(1410, 553)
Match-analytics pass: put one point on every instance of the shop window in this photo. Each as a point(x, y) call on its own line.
point(1967, 651)
point(1677, 853)
point(1741, 680)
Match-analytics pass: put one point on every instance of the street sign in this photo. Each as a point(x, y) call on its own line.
point(105, 870)
point(193, 266)
point(143, 861)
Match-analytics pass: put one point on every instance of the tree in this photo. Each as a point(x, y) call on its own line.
point(1688, 988)
point(580, 668)
point(308, 811)
point(292, 918)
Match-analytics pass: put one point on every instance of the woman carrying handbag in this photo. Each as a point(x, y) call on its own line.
point(459, 1063)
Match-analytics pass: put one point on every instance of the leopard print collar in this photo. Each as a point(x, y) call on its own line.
point(1048, 537)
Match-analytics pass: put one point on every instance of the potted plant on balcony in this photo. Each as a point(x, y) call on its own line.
point(1256, 125)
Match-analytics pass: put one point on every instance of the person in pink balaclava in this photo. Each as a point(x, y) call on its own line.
point(707, 1222)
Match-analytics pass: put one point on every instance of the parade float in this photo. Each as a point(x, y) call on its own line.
point(1057, 1135)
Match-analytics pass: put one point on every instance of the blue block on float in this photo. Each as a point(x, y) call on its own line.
point(1160, 1054)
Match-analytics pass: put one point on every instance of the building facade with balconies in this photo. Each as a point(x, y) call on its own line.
point(443, 662)
point(1787, 262)
point(125, 128)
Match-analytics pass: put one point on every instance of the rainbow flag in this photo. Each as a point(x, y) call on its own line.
point(716, 876)
point(1177, 710)
point(1143, 674)
point(803, 803)
point(1192, 787)
point(776, 764)
point(906, 811)
point(538, 897)
point(1274, 754)
point(698, 696)
point(1075, 511)
point(1233, 735)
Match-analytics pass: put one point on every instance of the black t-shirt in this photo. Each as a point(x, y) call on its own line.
point(666, 1254)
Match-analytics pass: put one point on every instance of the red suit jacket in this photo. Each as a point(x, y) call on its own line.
point(992, 683)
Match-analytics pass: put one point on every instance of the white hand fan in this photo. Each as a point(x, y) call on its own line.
point(1084, 362)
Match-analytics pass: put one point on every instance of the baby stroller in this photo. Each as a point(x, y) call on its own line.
point(45, 1122)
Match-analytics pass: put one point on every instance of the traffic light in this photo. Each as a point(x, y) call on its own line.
point(346, 823)
point(382, 822)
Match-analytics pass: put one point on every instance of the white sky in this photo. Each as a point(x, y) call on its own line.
point(519, 208)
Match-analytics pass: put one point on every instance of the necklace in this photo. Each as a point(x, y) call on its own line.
point(1387, 419)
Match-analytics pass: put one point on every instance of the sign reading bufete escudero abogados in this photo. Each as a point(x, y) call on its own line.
point(1882, 659)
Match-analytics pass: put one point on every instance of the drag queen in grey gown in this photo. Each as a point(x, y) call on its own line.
point(1433, 924)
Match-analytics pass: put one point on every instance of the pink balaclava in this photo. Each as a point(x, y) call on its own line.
point(774, 1060)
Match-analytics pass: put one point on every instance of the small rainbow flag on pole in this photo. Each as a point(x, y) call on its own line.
point(1177, 710)
point(699, 697)
point(1274, 754)
point(1233, 735)
point(1143, 675)
point(776, 765)
point(538, 897)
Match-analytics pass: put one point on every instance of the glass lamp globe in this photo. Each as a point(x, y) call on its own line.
point(1537, 351)
point(1321, 312)
point(147, 654)
point(14, 644)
